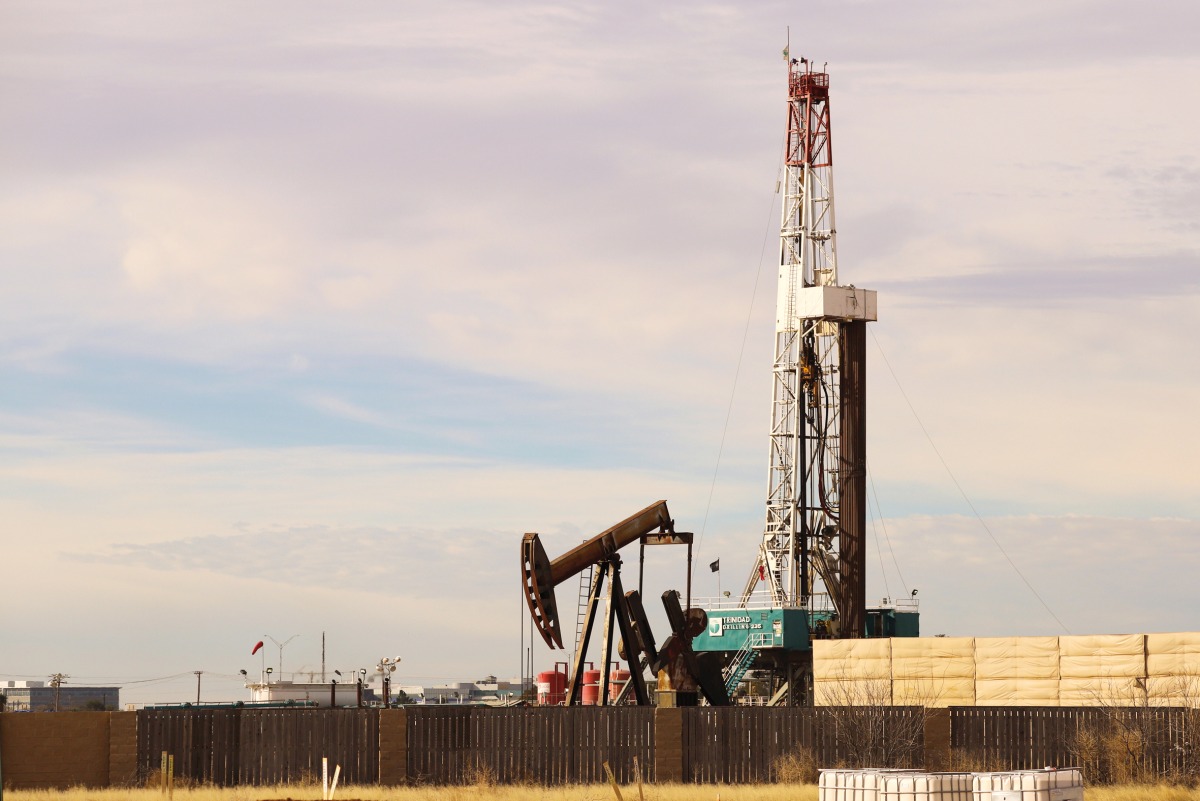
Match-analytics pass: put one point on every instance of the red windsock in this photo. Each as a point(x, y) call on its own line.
point(258, 645)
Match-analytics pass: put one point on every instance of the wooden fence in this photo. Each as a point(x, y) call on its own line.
point(745, 744)
point(259, 746)
point(1111, 744)
point(541, 745)
point(456, 745)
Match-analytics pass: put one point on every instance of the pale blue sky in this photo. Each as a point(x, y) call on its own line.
point(308, 312)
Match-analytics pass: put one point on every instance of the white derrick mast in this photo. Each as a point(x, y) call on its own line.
point(801, 559)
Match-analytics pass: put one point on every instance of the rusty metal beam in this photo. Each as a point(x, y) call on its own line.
point(852, 478)
point(539, 575)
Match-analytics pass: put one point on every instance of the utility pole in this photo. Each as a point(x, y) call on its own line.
point(56, 681)
point(198, 672)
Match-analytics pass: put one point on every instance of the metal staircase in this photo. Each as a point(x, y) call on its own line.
point(744, 659)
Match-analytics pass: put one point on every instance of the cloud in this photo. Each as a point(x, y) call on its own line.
point(324, 294)
point(403, 563)
point(1063, 568)
point(1058, 285)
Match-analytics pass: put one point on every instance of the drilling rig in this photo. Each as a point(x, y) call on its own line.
point(809, 576)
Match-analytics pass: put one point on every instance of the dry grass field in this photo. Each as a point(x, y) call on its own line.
point(596, 792)
point(1142, 792)
point(665, 792)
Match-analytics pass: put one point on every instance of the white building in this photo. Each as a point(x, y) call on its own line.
point(487, 691)
point(314, 694)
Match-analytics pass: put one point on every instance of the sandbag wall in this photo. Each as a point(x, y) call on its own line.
point(1016, 671)
point(933, 667)
point(853, 672)
point(1173, 668)
point(1100, 669)
point(1078, 670)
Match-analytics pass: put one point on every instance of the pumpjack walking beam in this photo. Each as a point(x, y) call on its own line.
point(540, 576)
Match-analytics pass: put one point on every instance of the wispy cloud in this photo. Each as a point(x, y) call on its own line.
point(1059, 285)
point(404, 563)
point(292, 304)
point(1038, 568)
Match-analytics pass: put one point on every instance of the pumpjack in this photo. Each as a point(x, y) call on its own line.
point(679, 670)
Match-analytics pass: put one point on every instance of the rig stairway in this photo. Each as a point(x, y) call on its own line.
point(742, 661)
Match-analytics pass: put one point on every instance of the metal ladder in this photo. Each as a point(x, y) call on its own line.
point(585, 596)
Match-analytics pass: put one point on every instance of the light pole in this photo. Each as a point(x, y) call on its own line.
point(386, 667)
point(281, 644)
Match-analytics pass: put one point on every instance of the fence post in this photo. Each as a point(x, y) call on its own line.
point(669, 756)
point(937, 739)
point(122, 749)
point(393, 745)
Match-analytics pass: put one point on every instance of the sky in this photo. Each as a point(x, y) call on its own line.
point(309, 311)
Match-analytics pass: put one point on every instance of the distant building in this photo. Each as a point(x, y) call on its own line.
point(38, 696)
point(487, 691)
point(317, 693)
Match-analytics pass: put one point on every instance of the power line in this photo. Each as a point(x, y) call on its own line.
point(963, 492)
point(741, 355)
point(883, 525)
point(887, 590)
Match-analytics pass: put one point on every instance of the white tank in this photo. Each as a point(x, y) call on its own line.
point(1047, 784)
point(879, 784)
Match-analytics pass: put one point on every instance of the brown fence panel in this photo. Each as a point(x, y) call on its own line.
point(745, 744)
point(547, 746)
point(227, 747)
point(1160, 741)
point(202, 742)
point(287, 745)
point(1014, 738)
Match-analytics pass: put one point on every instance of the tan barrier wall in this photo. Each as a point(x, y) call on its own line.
point(1078, 670)
point(1100, 669)
point(1016, 658)
point(933, 671)
point(1173, 669)
point(1016, 671)
point(852, 672)
point(66, 749)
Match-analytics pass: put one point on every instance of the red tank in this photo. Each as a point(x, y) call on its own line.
point(616, 682)
point(551, 687)
point(591, 687)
